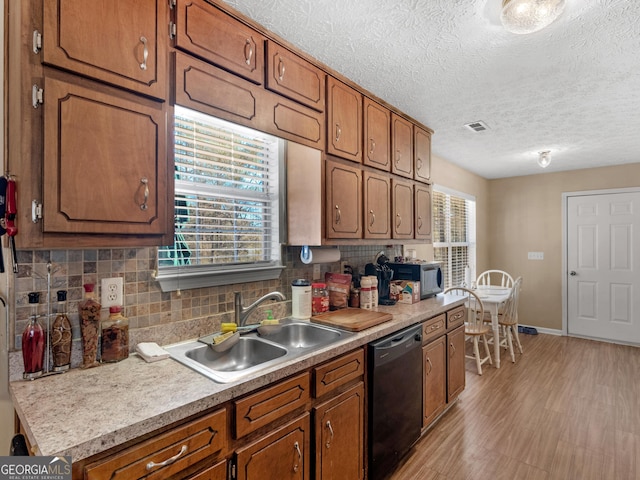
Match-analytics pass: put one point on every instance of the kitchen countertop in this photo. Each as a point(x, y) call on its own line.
point(84, 412)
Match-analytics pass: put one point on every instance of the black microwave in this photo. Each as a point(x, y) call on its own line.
point(429, 274)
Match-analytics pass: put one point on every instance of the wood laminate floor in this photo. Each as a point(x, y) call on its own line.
point(567, 409)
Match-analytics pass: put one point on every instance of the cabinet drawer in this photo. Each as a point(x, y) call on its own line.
point(433, 328)
point(215, 472)
point(456, 317)
point(338, 372)
point(267, 405)
point(214, 36)
point(188, 444)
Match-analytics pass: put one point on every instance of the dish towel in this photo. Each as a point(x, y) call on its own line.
point(151, 351)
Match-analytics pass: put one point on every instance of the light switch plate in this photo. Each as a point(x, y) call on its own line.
point(536, 256)
point(111, 293)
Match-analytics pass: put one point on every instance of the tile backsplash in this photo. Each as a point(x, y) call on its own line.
point(161, 317)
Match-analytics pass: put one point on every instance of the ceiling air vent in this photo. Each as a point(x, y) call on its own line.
point(478, 126)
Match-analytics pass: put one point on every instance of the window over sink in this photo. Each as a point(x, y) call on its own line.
point(454, 234)
point(228, 202)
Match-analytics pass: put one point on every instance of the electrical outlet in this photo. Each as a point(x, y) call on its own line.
point(343, 264)
point(316, 271)
point(112, 294)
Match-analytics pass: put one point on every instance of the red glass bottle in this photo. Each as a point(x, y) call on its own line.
point(33, 343)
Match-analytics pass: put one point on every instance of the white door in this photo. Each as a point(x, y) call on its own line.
point(603, 266)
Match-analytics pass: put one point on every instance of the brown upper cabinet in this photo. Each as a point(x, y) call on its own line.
point(401, 146)
point(214, 36)
point(422, 149)
point(377, 130)
point(344, 121)
point(105, 168)
point(343, 201)
point(422, 204)
point(120, 42)
point(402, 209)
point(377, 205)
point(295, 78)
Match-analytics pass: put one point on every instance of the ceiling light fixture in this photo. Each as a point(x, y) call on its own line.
point(528, 16)
point(544, 158)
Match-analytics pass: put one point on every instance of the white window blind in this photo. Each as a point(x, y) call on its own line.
point(226, 197)
point(454, 241)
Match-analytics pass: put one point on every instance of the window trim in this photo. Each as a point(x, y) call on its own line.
point(173, 278)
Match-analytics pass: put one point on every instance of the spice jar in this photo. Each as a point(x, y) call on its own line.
point(354, 298)
point(319, 298)
point(61, 335)
point(115, 336)
point(33, 342)
point(89, 311)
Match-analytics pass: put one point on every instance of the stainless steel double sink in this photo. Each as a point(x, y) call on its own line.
point(255, 352)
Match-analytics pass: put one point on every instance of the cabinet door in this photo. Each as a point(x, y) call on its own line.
point(117, 41)
point(280, 455)
point(105, 163)
point(344, 201)
point(294, 77)
point(377, 206)
point(402, 209)
point(434, 365)
point(423, 211)
point(216, 37)
point(344, 121)
point(401, 146)
point(422, 149)
point(377, 135)
point(455, 370)
point(339, 434)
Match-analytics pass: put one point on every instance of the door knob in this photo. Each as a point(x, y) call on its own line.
point(573, 273)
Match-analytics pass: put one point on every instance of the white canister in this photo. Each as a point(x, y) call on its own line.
point(301, 299)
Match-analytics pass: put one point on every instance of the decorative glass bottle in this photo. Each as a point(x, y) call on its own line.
point(115, 336)
point(89, 312)
point(33, 343)
point(61, 335)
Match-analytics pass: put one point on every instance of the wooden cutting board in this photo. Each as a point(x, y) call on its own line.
point(352, 319)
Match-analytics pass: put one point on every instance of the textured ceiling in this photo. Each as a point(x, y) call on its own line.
point(572, 88)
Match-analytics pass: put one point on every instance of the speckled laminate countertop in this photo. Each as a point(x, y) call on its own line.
point(84, 412)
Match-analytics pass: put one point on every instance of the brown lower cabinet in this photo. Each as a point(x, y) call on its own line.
point(339, 436)
point(434, 365)
point(455, 368)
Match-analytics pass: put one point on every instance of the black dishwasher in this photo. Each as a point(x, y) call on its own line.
point(395, 398)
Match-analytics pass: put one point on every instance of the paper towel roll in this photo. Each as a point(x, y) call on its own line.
point(319, 255)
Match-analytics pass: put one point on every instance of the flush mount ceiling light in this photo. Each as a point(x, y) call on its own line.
point(528, 16)
point(544, 158)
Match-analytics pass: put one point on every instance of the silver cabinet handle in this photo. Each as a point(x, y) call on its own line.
point(296, 466)
point(430, 365)
point(372, 146)
point(328, 444)
point(453, 349)
point(373, 218)
point(248, 52)
point(281, 69)
point(419, 164)
point(152, 465)
point(338, 132)
point(398, 157)
point(398, 220)
point(419, 222)
point(145, 53)
point(145, 181)
point(338, 215)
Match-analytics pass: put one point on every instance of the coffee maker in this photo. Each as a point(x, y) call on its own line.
point(383, 272)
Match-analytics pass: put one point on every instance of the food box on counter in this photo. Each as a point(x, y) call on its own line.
point(405, 291)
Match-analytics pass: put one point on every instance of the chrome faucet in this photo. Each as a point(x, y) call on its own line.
point(242, 313)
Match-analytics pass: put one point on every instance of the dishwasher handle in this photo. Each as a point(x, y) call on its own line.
point(390, 348)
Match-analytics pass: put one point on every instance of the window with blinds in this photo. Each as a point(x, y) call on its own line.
point(227, 194)
point(454, 243)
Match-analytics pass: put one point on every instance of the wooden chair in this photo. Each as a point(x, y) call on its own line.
point(498, 278)
point(508, 320)
point(474, 327)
